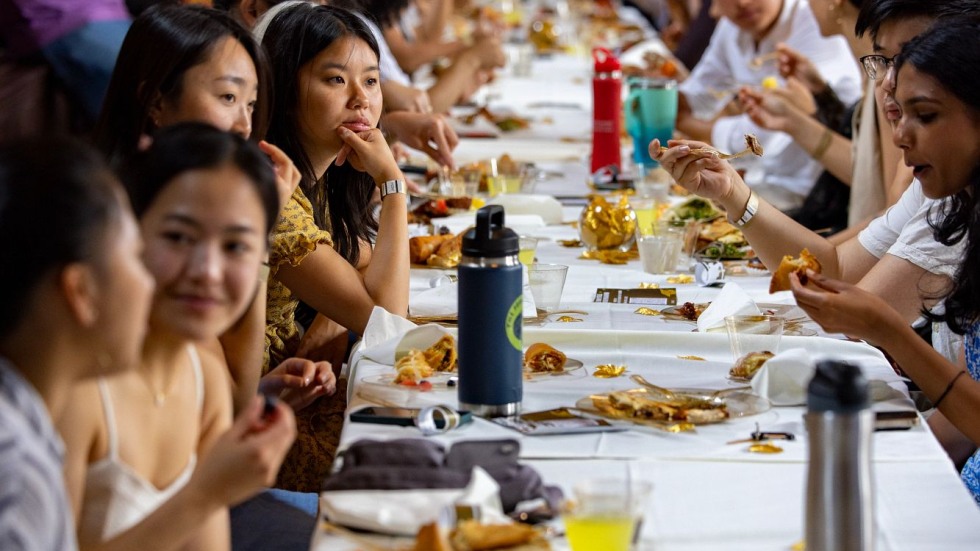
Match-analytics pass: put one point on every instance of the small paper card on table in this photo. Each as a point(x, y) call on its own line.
point(662, 297)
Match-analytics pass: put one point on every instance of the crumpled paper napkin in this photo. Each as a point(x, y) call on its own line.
point(731, 301)
point(785, 377)
point(403, 512)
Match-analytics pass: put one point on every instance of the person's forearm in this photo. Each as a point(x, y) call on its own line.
point(386, 277)
point(933, 374)
point(243, 346)
point(773, 235)
point(831, 149)
point(694, 128)
point(447, 91)
point(435, 17)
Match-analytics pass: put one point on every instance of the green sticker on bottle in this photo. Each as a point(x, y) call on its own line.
point(514, 321)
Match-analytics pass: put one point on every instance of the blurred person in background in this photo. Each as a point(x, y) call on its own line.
point(73, 309)
point(79, 40)
point(748, 30)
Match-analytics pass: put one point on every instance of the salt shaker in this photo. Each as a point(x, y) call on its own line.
point(839, 423)
point(491, 305)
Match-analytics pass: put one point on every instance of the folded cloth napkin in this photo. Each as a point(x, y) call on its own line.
point(731, 301)
point(403, 512)
point(545, 206)
point(785, 377)
point(444, 300)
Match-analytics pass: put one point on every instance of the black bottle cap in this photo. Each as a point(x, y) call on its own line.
point(839, 387)
point(490, 238)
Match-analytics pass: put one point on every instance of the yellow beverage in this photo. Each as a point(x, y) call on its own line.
point(599, 533)
point(645, 217)
point(526, 256)
point(504, 184)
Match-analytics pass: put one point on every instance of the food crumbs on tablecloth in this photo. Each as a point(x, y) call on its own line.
point(608, 371)
point(681, 279)
point(567, 319)
point(571, 243)
point(649, 285)
point(680, 427)
point(695, 358)
point(645, 311)
point(765, 447)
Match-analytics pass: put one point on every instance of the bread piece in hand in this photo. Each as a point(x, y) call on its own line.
point(780, 278)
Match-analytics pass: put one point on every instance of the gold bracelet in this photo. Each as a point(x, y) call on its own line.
point(948, 388)
point(824, 145)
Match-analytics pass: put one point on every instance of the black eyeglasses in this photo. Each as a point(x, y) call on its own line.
point(877, 65)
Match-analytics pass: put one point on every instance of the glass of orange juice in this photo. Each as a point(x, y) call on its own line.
point(605, 514)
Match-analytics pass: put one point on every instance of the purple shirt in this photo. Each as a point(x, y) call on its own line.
point(29, 25)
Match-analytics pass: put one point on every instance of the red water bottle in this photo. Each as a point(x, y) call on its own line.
point(607, 107)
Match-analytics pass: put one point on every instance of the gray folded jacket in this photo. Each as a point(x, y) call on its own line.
point(417, 463)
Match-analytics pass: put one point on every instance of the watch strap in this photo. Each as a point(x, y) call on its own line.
point(751, 207)
point(392, 186)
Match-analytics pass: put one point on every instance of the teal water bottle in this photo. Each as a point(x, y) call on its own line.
point(490, 318)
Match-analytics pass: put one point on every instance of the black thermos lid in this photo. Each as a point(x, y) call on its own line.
point(838, 387)
point(490, 238)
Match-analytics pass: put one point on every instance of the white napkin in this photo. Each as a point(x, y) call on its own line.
point(383, 326)
point(731, 301)
point(545, 206)
point(444, 300)
point(403, 512)
point(785, 377)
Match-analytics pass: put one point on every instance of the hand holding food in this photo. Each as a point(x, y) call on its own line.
point(790, 265)
point(844, 308)
point(704, 175)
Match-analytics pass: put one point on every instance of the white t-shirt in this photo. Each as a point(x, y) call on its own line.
point(390, 70)
point(787, 170)
point(904, 231)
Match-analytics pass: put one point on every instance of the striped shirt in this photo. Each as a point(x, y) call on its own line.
point(34, 509)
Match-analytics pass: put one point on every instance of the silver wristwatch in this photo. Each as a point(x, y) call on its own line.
point(392, 186)
point(751, 207)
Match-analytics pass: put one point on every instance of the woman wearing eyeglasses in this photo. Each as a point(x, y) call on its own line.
point(937, 76)
point(896, 256)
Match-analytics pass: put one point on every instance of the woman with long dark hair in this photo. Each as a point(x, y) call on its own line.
point(938, 75)
point(213, 72)
point(328, 249)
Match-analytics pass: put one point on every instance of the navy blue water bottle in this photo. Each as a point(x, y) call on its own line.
point(490, 318)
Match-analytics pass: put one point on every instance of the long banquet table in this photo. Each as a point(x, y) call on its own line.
point(707, 494)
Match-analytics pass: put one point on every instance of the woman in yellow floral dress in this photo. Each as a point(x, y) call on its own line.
point(328, 249)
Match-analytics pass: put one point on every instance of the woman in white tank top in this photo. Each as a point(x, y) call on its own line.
point(153, 459)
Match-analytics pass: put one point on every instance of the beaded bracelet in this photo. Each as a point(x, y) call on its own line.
point(948, 388)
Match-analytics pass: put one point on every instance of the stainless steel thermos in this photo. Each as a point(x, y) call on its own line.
point(490, 318)
point(839, 423)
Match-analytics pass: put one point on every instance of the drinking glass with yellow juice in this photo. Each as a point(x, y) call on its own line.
point(605, 514)
point(528, 246)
